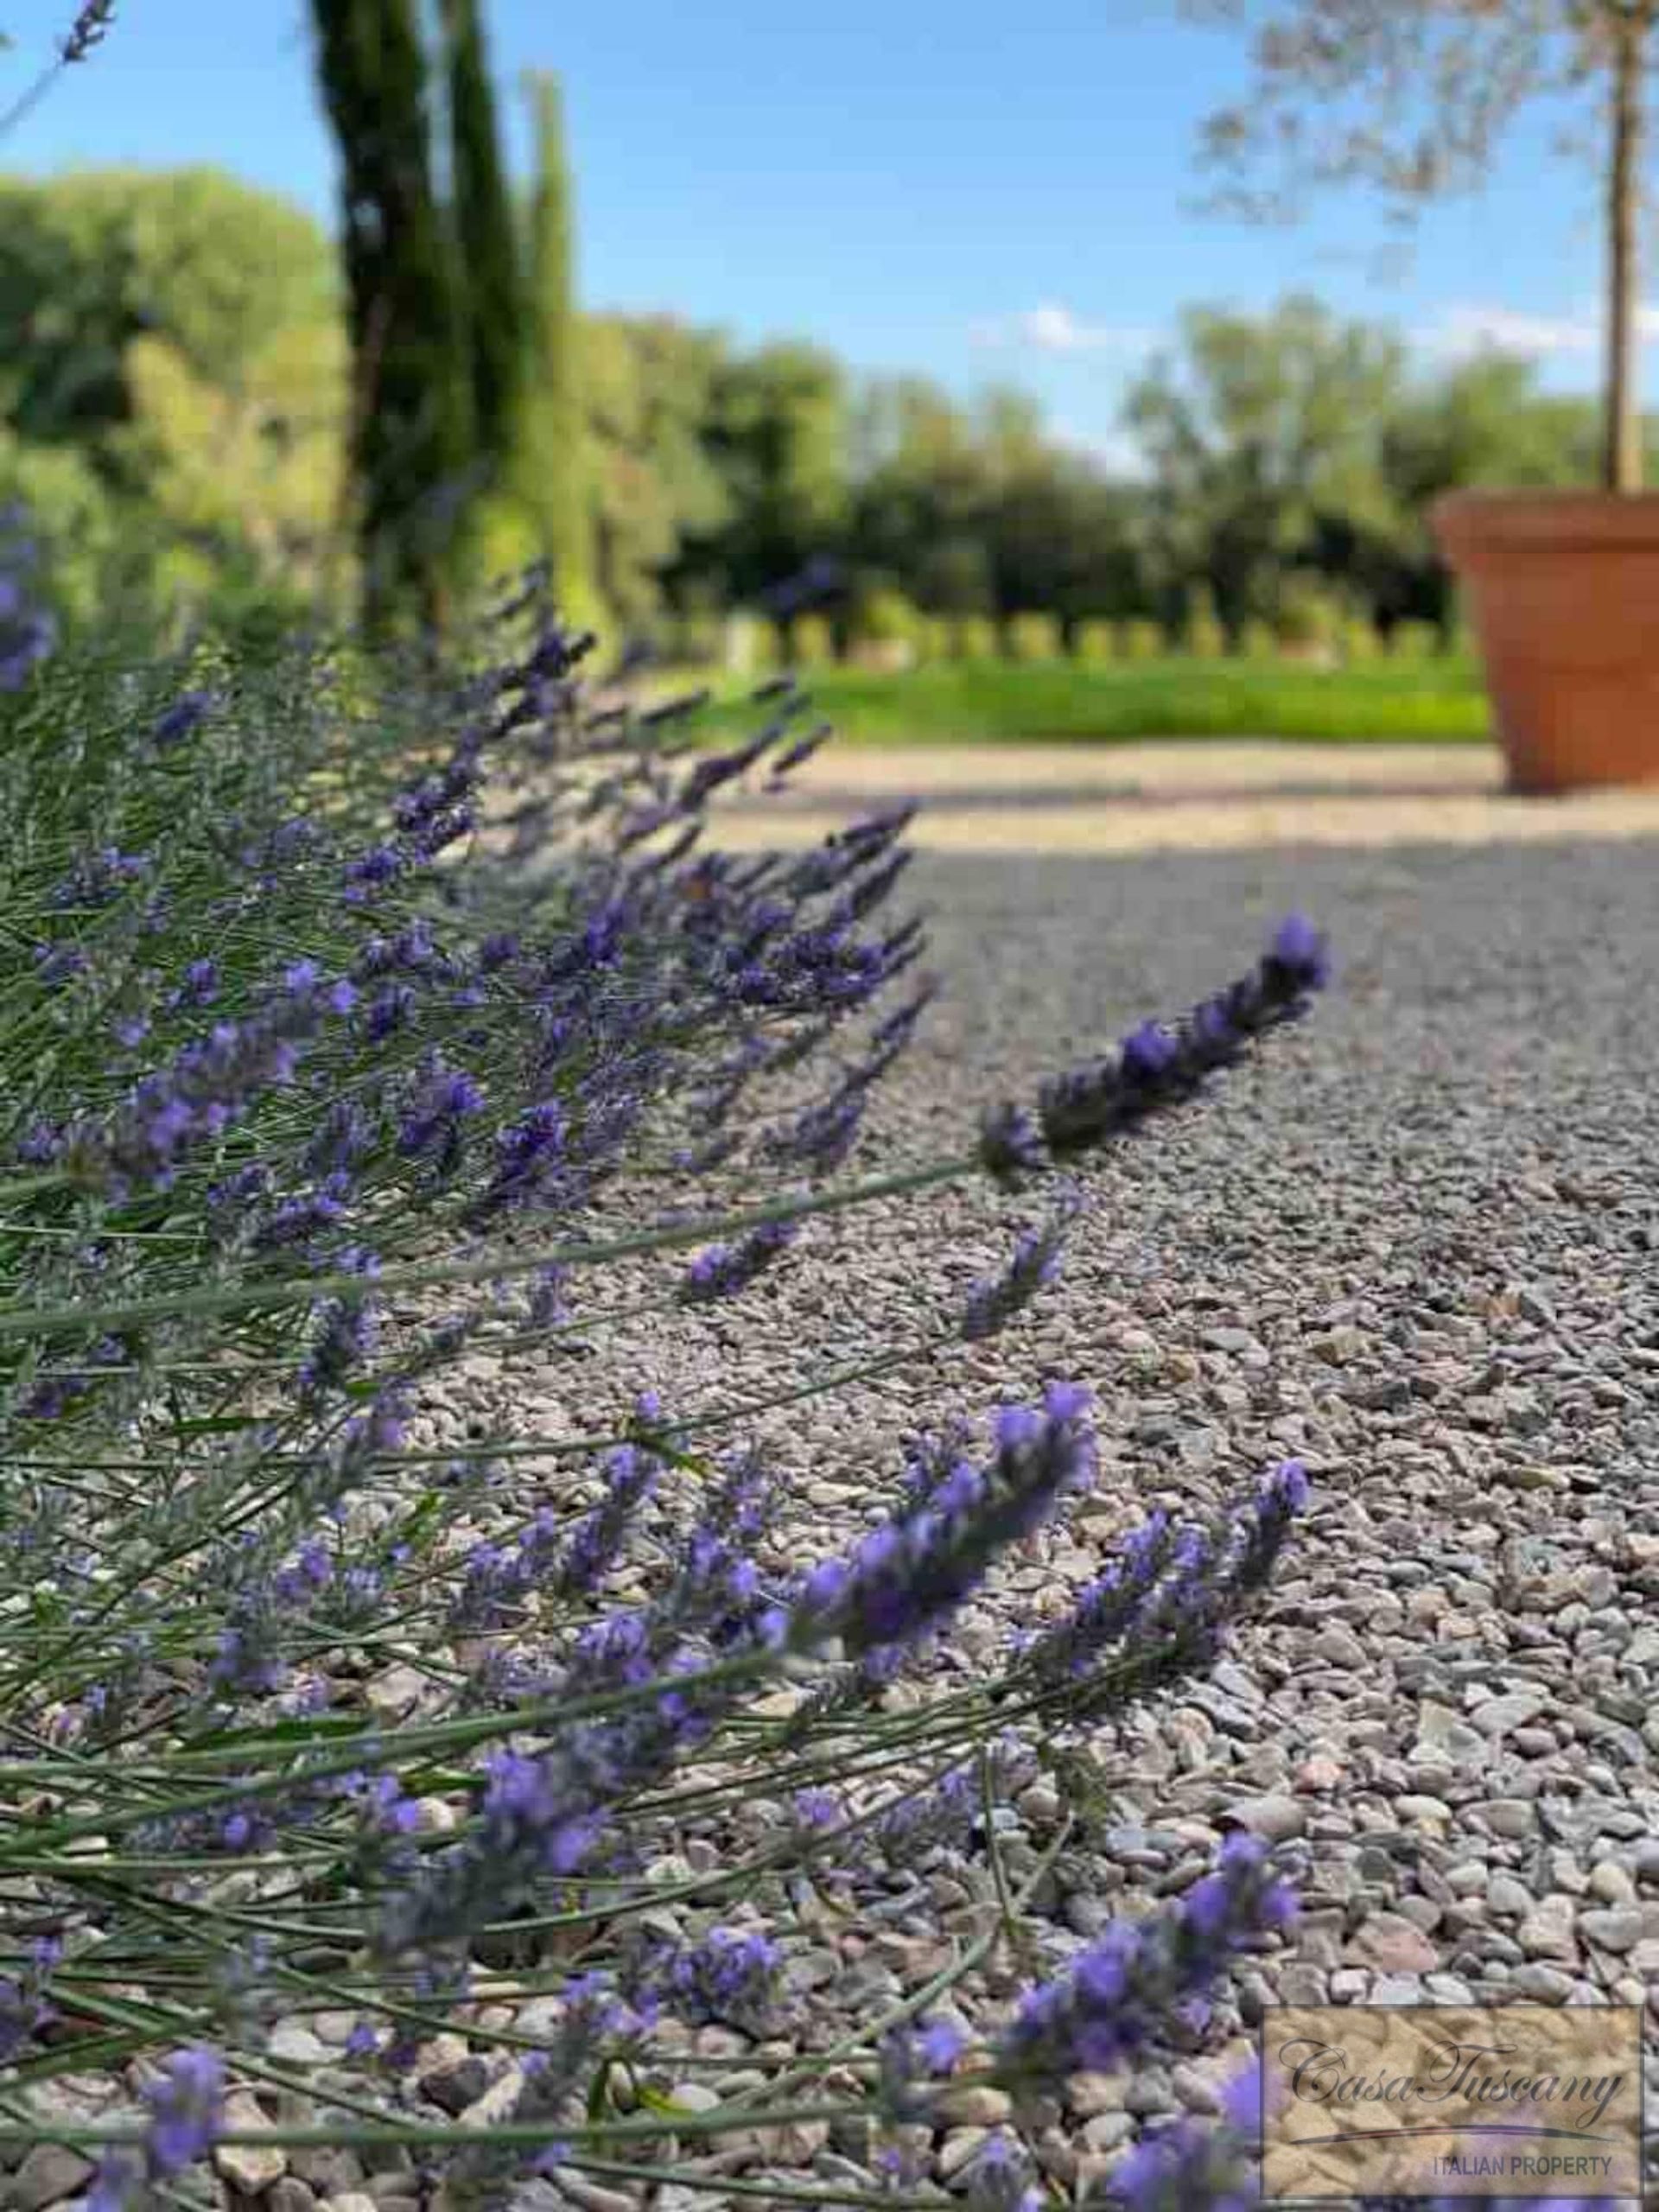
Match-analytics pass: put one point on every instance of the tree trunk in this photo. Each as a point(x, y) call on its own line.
point(1622, 458)
point(411, 428)
point(490, 273)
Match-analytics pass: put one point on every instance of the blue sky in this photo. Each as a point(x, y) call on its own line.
point(957, 187)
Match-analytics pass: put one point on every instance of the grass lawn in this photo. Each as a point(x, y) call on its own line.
point(1001, 702)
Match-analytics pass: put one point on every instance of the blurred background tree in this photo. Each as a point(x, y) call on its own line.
point(1412, 98)
point(414, 429)
point(199, 389)
point(1260, 435)
point(552, 469)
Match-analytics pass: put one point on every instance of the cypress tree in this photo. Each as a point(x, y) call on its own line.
point(410, 428)
point(552, 469)
point(487, 236)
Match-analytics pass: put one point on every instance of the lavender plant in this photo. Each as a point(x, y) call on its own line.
point(365, 1026)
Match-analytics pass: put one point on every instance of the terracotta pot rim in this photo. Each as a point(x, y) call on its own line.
point(1545, 521)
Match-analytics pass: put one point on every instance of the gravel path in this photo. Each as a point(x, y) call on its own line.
point(1189, 796)
point(1414, 1244)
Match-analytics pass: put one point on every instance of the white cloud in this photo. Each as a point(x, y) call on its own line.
point(1470, 326)
point(1052, 328)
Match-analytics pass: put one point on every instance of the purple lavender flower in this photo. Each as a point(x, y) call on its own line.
point(730, 1974)
point(1155, 1068)
point(186, 2109)
point(344, 1329)
point(532, 1160)
point(1117, 1999)
point(57, 965)
point(1184, 2168)
point(1166, 1599)
point(1283, 1494)
point(1009, 1146)
point(96, 878)
point(1002, 2179)
point(184, 716)
point(444, 1098)
point(796, 755)
point(345, 1137)
point(209, 1086)
point(907, 2056)
point(389, 1010)
point(548, 1307)
point(724, 1270)
point(820, 1139)
point(372, 871)
point(918, 1823)
point(1105, 1607)
point(92, 23)
point(118, 2176)
point(25, 2006)
point(28, 632)
point(905, 1578)
point(199, 986)
point(818, 1809)
point(592, 2016)
point(995, 1299)
point(304, 1217)
point(1299, 952)
point(630, 1478)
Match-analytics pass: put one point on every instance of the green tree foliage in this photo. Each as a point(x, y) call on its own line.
point(1309, 616)
point(70, 516)
point(181, 343)
point(486, 235)
point(249, 475)
point(1260, 433)
point(884, 625)
point(1482, 424)
point(171, 348)
point(411, 427)
point(919, 494)
point(92, 259)
point(556, 464)
point(660, 499)
point(778, 434)
point(1356, 640)
point(1412, 98)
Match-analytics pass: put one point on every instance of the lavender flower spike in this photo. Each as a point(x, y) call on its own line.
point(1119, 1997)
point(724, 1270)
point(995, 1299)
point(1154, 1067)
point(187, 2110)
point(903, 1578)
point(1010, 1147)
point(87, 29)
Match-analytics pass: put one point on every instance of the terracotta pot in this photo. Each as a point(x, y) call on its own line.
point(1564, 591)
